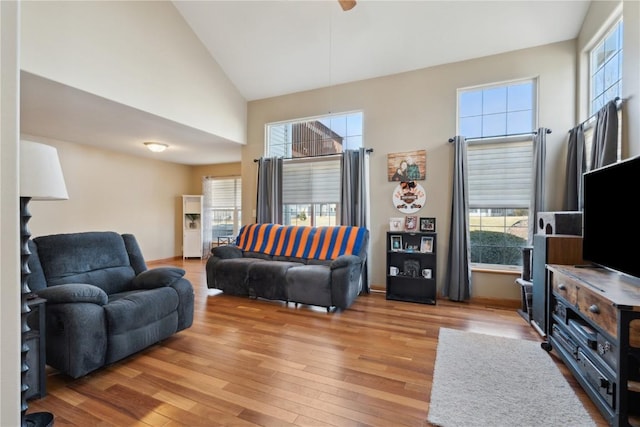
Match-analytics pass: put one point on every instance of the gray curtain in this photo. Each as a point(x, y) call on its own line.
point(457, 285)
point(354, 198)
point(604, 150)
point(269, 206)
point(538, 187)
point(576, 166)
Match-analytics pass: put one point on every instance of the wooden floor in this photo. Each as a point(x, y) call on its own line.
point(251, 362)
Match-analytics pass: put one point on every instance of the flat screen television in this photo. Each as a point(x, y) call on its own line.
point(611, 230)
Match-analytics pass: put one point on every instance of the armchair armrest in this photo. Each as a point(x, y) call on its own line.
point(226, 252)
point(74, 292)
point(345, 261)
point(345, 280)
point(157, 278)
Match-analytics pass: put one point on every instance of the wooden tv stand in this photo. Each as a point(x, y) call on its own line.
point(594, 326)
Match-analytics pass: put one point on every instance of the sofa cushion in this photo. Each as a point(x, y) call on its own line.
point(259, 255)
point(230, 275)
point(310, 284)
point(157, 277)
point(319, 262)
point(267, 279)
point(130, 310)
point(226, 252)
point(137, 319)
point(74, 292)
point(97, 257)
point(290, 259)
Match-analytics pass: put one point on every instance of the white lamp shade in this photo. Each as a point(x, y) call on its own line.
point(40, 172)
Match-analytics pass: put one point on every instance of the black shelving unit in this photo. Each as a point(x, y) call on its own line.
point(413, 257)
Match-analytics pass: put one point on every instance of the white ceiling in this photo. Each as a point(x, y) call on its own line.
point(269, 48)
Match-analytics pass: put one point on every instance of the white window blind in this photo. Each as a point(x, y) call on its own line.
point(222, 207)
point(315, 181)
point(499, 174)
point(223, 193)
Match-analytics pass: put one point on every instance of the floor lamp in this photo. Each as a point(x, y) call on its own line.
point(40, 179)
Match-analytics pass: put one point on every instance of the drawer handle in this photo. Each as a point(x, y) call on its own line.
point(562, 287)
point(593, 308)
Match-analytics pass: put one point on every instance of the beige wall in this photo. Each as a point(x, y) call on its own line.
point(116, 192)
point(218, 170)
point(417, 110)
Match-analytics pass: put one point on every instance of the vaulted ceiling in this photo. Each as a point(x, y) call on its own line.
point(269, 48)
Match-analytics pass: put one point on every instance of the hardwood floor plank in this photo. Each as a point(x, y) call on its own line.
point(200, 416)
point(250, 362)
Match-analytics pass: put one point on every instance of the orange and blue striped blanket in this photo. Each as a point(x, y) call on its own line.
point(321, 243)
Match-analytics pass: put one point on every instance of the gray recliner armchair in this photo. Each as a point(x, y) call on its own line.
point(103, 304)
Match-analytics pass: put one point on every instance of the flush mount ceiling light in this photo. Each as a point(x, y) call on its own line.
point(156, 147)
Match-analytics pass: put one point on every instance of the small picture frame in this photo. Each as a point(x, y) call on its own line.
point(411, 268)
point(426, 244)
point(428, 224)
point(427, 273)
point(396, 243)
point(411, 223)
point(396, 224)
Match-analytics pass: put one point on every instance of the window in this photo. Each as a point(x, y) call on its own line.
point(222, 203)
point(310, 174)
point(605, 65)
point(311, 191)
point(314, 137)
point(498, 121)
point(496, 111)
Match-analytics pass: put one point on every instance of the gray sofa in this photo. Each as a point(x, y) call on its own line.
point(319, 266)
point(103, 304)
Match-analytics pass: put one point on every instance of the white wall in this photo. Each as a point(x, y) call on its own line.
point(417, 110)
point(138, 53)
point(10, 339)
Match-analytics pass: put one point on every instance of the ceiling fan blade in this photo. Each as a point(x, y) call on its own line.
point(347, 4)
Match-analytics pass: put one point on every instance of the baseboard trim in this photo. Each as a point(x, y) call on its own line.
point(496, 302)
point(163, 260)
point(484, 301)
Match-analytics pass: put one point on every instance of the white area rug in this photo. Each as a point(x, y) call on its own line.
point(484, 380)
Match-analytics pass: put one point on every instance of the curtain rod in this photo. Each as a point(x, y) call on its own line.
point(533, 132)
point(618, 101)
point(368, 150)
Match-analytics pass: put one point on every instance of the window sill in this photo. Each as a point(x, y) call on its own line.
point(497, 270)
